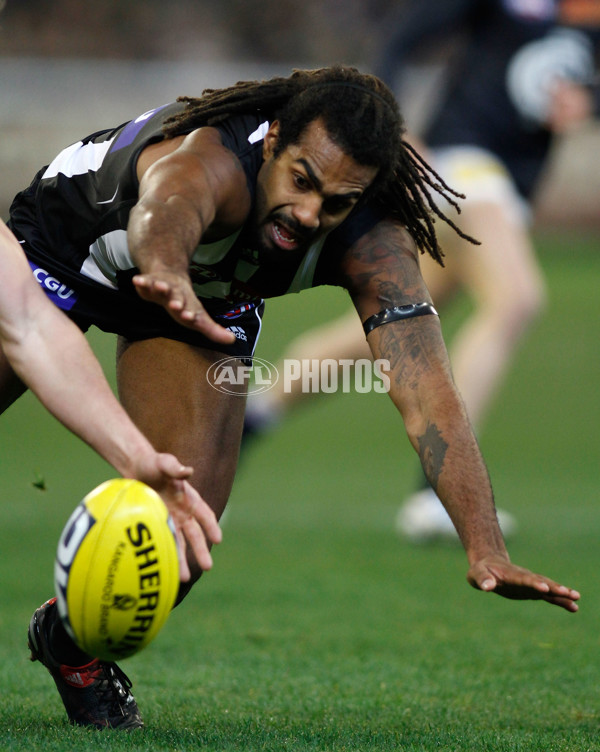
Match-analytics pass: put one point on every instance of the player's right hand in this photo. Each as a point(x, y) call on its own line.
point(174, 292)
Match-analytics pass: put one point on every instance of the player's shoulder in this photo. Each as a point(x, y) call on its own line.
point(368, 223)
point(243, 135)
point(201, 148)
point(244, 132)
point(370, 238)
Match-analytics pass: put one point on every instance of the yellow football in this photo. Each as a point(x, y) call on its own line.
point(116, 573)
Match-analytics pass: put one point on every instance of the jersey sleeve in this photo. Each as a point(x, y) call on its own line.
point(243, 135)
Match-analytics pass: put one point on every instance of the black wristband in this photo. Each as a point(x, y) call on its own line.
point(397, 313)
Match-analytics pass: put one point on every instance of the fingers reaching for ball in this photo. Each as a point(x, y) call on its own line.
point(196, 529)
point(196, 526)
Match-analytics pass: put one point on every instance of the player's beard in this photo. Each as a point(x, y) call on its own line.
point(261, 233)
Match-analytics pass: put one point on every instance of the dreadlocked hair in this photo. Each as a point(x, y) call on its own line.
point(361, 116)
point(408, 197)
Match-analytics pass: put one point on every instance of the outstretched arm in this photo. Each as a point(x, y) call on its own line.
point(187, 188)
point(49, 354)
point(381, 271)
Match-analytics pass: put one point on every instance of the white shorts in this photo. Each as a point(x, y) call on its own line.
point(482, 177)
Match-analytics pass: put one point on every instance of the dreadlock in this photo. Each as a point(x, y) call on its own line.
point(361, 116)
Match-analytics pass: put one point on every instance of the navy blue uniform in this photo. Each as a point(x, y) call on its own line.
point(495, 94)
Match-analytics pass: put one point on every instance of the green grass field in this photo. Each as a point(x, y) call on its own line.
point(318, 629)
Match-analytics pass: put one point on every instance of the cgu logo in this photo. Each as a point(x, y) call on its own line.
point(61, 295)
point(52, 284)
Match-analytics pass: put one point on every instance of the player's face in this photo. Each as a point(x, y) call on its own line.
point(306, 191)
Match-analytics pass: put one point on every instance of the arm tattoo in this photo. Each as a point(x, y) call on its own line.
point(384, 257)
point(432, 451)
point(380, 244)
point(407, 348)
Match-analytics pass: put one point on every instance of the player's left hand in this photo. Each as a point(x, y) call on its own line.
point(196, 525)
point(174, 292)
point(497, 575)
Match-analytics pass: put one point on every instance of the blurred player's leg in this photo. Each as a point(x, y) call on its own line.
point(342, 338)
point(507, 290)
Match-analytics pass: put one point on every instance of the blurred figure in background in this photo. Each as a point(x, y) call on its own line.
point(521, 74)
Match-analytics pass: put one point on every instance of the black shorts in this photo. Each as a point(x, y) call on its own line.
point(122, 311)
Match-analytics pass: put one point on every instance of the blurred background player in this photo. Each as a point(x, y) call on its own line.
point(517, 74)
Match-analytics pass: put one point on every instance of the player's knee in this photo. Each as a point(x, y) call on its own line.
point(515, 311)
point(522, 314)
point(530, 305)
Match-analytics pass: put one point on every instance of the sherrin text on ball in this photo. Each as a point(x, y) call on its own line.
point(116, 573)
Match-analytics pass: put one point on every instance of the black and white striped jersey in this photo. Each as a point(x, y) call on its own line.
point(76, 211)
